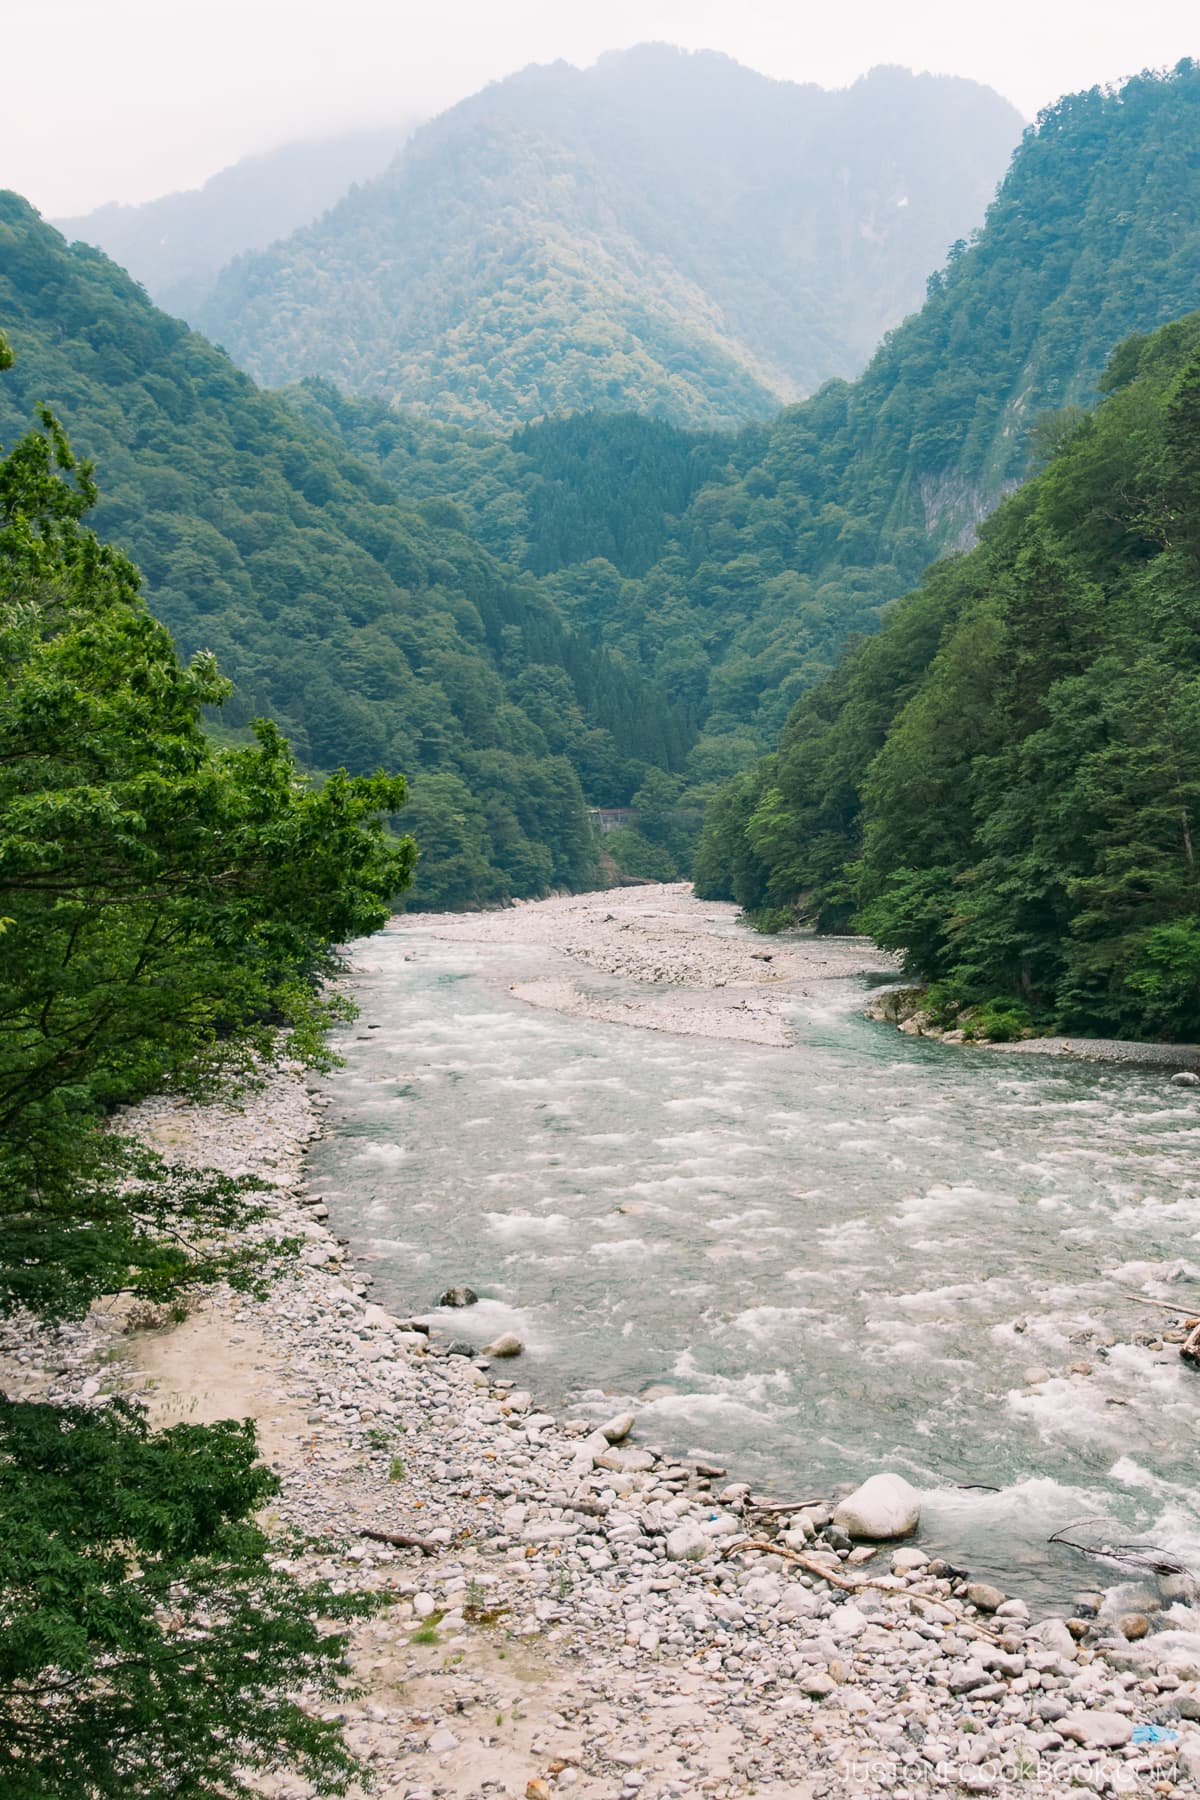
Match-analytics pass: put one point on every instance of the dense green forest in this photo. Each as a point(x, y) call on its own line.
point(169, 913)
point(590, 486)
point(177, 246)
point(1003, 783)
point(666, 232)
point(376, 633)
point(604, 608)
point(770, 548)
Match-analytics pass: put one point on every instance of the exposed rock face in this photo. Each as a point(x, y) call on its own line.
point(882, 1508)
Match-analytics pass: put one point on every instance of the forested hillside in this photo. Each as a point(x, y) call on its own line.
point(375, 635)
point(591, 485)
point(177, 246)
point(664, 232)
point(1004, 782)
point(769, 548)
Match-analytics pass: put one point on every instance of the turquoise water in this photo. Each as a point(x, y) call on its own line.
point(819, 1261)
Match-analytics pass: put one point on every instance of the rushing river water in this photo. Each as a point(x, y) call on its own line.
point(856, 1253)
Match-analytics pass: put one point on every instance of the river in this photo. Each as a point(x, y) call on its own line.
point(807, 1260)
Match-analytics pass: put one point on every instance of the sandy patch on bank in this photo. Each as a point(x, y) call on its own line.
point(518, 1711)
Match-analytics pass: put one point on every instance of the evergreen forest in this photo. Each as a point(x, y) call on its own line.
point(1002, 783)
point(376, 634)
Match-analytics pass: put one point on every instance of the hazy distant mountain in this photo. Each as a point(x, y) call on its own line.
point(177, 245)
point(666, 231)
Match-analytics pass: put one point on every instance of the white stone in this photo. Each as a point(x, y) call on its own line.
point(1053, 1634)
point(629, 1462)
point(724, 1525)
point(798, 1602)
point(883, 1507)
point(1096, 1730)
point(687, 1543)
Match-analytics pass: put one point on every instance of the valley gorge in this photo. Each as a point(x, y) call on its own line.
point(600, 950)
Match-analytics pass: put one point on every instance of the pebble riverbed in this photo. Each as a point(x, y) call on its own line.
point(580, 1620)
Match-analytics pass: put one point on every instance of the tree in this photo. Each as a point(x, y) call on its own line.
point(169, 912)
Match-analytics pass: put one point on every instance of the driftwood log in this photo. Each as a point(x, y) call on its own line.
point(403, 1540)
point(810, 1564)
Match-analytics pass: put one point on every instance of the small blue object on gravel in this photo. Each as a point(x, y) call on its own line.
point(1153, 1734)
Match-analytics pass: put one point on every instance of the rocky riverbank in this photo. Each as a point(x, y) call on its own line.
point(574, 1612)
point(905, 1007)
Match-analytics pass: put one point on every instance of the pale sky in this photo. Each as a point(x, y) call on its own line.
point(129, 99)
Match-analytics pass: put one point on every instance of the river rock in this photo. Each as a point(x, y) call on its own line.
point(1133, 1626)
point(985, 1597)
point(618, 1429)
point(459, 1296)
point(626, 1462)
point(507, 1344)
point(1052, 1634)
point(817, 1685)
point(967, 1677)
point(882, 1508)
point(1096, 1730)
point(1185, 1078)
point(687, 1543)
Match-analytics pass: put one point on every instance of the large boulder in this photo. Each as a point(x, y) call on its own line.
point(459, 1296)
point(882, 1508)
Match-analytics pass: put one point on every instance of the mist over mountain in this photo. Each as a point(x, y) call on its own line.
point(177, 245)
point(726, 570)
point(775, 544)
point(665, 231)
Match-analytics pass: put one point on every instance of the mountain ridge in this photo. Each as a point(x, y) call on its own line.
point(374, 633)
point(177, 244)
point(666, 231)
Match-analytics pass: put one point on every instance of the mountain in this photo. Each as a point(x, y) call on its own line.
point(374, 632)
point(733, 568)
point(664, 232)
point(1003, 782)
point(176, 246)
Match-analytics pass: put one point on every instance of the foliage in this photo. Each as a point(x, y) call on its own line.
point(170, 910)
point(373, 634)
point(635, 854)
point(1004, 781)
point(149, 1645)
point(167, 905)
point(590, 487)
point(665, 232)
point(775, 546)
